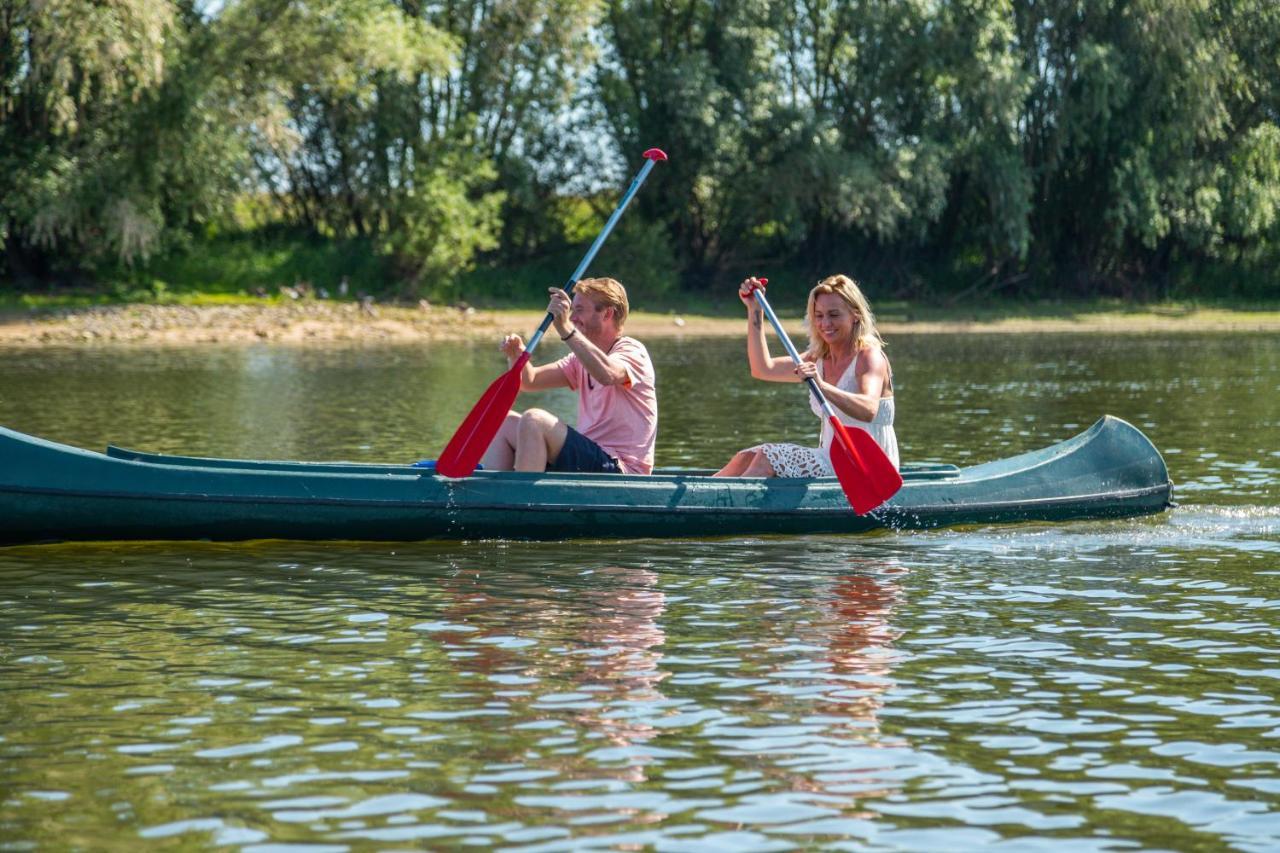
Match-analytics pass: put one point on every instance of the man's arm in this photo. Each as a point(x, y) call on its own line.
point(599, 365)
point(532, 378)
point(543, 378)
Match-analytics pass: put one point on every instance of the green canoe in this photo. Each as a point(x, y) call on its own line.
point(51, 492)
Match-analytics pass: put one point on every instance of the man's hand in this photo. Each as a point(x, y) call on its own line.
point(512, 346)
point(559, 308)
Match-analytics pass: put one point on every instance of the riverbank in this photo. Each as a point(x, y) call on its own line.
point(320, 322)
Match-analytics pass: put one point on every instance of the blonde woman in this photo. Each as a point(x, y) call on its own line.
point(846, 358)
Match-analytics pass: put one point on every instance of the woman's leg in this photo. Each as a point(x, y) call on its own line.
point(760, 466)
point(737, 464)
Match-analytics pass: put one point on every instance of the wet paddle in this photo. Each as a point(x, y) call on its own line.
point(476, 433)
point(865, 472)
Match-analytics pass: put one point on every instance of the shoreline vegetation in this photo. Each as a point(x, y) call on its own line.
point(309, 321)
point(943, 152)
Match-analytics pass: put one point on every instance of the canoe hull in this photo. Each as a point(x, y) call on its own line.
point(51, 492)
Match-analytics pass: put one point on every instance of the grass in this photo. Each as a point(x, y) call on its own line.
point(1011, 309)
point(255, 268)
point(243, 266)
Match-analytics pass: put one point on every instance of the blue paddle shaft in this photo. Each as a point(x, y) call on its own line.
point(595, 247)
point(763, 302)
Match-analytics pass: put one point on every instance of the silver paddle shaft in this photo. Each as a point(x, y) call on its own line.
point(595, 247)
point(763, 302)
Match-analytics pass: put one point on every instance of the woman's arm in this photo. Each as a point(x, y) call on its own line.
point(870, 374)
point(763, 365)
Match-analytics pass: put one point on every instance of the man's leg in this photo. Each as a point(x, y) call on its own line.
point(501, 455)
point(539, 439)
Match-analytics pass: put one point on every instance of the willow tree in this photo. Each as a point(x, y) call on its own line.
point(411, 124)
point(900, 107)
point(693, 76)
point(1151, 131)
point(814, 132)
point(75, 82)
point(520, 93)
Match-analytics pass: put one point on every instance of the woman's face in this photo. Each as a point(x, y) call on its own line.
point(833, 319)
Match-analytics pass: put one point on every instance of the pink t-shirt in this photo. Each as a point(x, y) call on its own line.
point(622, 418)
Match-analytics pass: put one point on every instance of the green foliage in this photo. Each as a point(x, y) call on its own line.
point(694, 76)
point(73, 80)
point(440, 220)
point(257, 263)
point(638, 254)
point(942, 148)
point(113, 137)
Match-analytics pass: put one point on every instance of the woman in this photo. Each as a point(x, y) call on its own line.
point(845, 356)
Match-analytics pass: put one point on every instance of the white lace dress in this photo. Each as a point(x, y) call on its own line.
point(793, 460)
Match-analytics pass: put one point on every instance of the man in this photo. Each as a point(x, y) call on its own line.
point(614, 378)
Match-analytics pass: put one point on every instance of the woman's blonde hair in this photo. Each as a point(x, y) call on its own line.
point(606, 293)
point(865, 333)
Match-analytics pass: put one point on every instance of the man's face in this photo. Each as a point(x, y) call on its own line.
point(587, 316)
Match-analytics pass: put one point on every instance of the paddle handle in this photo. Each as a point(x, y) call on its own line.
point(651, 158)
point(763, 302)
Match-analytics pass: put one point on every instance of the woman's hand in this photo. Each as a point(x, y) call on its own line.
point(746, 291)
point(808, 370)
point(512, 346)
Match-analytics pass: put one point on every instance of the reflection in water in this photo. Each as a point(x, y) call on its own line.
point(729, 693)
point(610, 671)
point(626, 639)
point(858, 635)
point(862, 654)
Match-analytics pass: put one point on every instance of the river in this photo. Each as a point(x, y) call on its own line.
point(1077, 686)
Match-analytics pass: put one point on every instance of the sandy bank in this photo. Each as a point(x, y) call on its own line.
point(319, 322)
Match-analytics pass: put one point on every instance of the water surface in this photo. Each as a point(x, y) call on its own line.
point(1082, 686)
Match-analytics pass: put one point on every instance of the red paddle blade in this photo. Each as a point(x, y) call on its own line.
point(865, 472)
point(463, 452)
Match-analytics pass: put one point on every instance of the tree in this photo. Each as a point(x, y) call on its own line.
point(1148, 134)
point(75, 81)
point(692, 76)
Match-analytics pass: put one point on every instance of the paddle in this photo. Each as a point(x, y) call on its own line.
point(477, 431)
point(865, 472)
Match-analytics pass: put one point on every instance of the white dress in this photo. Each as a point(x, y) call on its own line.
point(793, 460)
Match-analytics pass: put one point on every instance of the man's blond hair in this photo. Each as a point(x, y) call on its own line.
point(606, 293)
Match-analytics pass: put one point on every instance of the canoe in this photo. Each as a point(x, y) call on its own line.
point(53, 492)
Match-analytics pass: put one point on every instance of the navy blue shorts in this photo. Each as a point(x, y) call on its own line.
point(582, 455)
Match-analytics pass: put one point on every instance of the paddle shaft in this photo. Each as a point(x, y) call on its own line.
point(867, 476)
point(595, 247)
point(763, 302)
point(477, 431)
